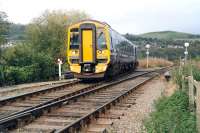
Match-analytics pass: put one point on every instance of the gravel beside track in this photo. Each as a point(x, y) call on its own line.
point(132, 121)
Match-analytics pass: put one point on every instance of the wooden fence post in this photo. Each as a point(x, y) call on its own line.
point(191, 92)
point(197, 84)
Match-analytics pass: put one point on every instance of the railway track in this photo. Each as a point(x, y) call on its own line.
point(64, 105)
point(24, 102)
point(21, 103)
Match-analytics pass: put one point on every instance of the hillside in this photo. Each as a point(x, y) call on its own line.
point(166, 48)
point(170, 35)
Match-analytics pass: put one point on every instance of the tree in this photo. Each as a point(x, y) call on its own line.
point(48, 33)
point(33, 59)
point(4, 27)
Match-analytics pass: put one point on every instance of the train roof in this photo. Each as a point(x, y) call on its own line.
point(90, 21)
point(100, 23)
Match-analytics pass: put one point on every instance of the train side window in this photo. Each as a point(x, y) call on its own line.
point(74, 39)
point(111, 40)
point(101, 41)
point(132, 51)
point(111, 43)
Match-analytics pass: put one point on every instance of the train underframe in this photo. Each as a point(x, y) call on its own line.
point(113, 69)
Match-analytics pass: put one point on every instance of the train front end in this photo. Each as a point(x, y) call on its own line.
point(88, 49)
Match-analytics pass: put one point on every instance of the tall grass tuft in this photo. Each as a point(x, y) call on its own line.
point(154, 62)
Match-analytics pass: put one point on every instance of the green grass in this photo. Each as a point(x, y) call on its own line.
point(196, 73)
point(172, 115)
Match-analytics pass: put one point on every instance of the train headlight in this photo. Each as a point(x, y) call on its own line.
point(100, 68)
point(99, 51)
point(73, 52)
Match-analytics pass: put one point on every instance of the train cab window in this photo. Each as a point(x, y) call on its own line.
point(74, 39)
point(101, 41)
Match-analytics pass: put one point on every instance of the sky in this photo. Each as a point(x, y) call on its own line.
point(125, 16)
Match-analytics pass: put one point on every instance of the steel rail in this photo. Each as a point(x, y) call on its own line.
point(23, 96)
point(85, 119)
point(55, 99)
point(13, 121)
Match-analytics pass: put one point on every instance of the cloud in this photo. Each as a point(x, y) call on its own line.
point(133, 16)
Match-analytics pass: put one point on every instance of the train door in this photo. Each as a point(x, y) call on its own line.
point(88, 48)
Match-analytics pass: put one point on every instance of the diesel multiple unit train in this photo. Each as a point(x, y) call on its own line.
point(95, 50)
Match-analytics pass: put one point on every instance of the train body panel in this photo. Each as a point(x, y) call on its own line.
point(95, 50)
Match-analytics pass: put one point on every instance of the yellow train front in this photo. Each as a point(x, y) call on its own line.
point(95, 50)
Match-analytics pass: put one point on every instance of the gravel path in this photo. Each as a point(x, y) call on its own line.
point(132, 121)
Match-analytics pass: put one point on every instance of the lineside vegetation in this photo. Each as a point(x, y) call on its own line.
point(173, 114)
point(154, 62)
point(34, 58)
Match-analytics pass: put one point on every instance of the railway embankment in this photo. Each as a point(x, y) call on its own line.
point(178, 111)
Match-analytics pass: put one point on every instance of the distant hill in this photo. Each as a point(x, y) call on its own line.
point(172, 35)
point(166, 44)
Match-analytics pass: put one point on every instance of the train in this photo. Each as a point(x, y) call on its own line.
point(95, 50)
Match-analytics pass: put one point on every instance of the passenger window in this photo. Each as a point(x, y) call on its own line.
point(74, 39)
point(101, 41)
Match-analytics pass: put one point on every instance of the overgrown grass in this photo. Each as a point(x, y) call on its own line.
point(196, 73)
point(179, 74)
point(172, 115)
point(154, 62)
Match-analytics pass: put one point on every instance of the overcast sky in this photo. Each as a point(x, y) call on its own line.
point(132, 16)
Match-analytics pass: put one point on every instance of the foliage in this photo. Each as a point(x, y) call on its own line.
point(196, 73)
point(171, 115)
point(23, 65)
point(177, 77)
point(17, 32)
point(179, 73)
point(195, 65)
point(165, 48)
point(34, 58)
point(48, 33)
point(4, 27)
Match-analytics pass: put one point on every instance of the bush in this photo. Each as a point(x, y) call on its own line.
point(24, 64)
point(172, 115)
point(16, 75)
